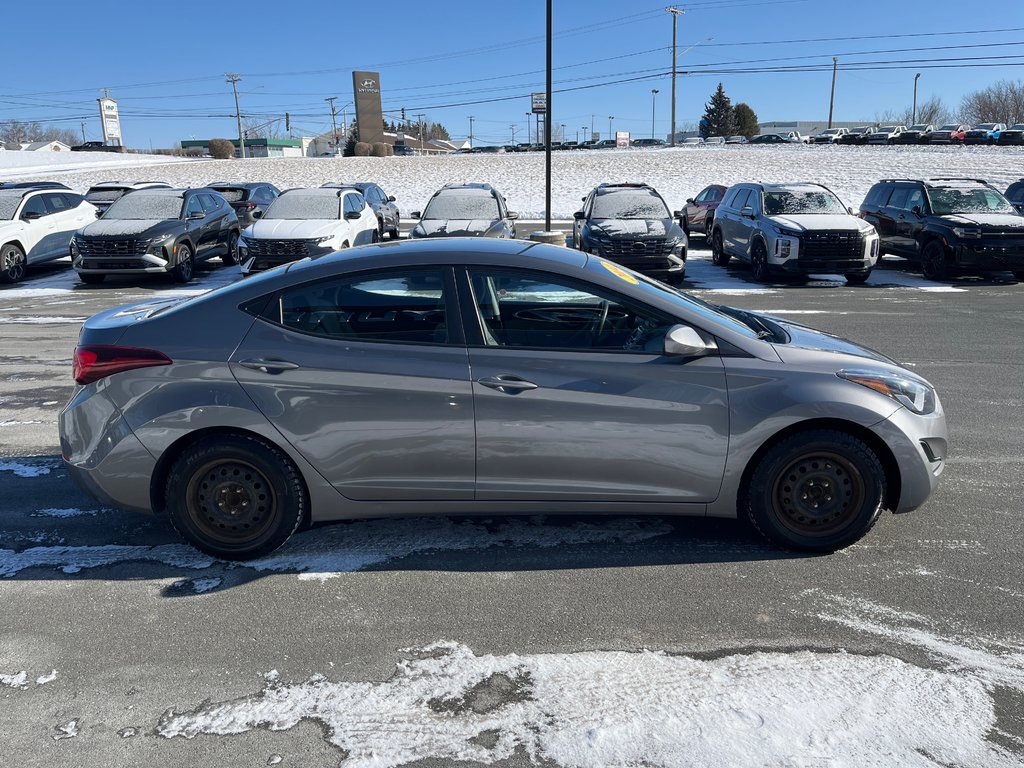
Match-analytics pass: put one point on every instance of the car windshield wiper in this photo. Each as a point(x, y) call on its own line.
point(752, 321)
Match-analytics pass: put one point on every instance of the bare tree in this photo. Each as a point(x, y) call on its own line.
point(1002, 102)
point(261, 129)
point(15, 132)
point(932, 110)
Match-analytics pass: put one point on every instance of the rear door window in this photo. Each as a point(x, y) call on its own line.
point(210, 202)
point(899, 197)
point(878, 196)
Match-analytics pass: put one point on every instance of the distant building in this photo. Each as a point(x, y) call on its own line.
point(255, 147)
point(45, 146)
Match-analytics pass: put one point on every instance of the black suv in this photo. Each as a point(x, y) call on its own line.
point(247, 198)
point(947, 224)
point(631, 225)
point(156, 231)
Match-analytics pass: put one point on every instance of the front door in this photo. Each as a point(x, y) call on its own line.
point(575, 402)
point(366, 377)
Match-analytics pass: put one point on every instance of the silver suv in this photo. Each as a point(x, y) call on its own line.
point(794, 229)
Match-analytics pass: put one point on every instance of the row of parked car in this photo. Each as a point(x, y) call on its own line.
point(925, 133)
point(795, 229)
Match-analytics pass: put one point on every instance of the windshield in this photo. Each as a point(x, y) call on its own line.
point(296, 205)
point(887, 129)
point(830, 132)
point(919, 127)
point(985, 127)
point(144, 207)
point(456, 206)
point(231, 194)
point(818, 201)
point(8, 205)
point(104, 195)
point(862, 129)
point(949, 128)
point(980, 200)
point(630, 205)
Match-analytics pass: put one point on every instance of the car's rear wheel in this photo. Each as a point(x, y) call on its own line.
point(816, 491)
point(90, 278)
point(718, 254)
point(235, 497)
point(182, 272)
point(759, 262)
point(230, 258)
point(12, 264)
point(393, 232)
point(934, 264)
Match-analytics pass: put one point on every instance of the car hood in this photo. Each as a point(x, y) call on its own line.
point(806, 221)
point(458, 228)
point(291, 229)
point(986, 220)
point(133, 227)
point(632, 228)
point(804, 340)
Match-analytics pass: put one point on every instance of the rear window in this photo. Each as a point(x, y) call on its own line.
point(105, 195)
point(878, 196)
point(232, 194)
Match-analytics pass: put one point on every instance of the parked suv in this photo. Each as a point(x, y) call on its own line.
point(858, 135)
point(247, 198)
point(307, 222)
point(830, 136)
point(1015, 194)
point(953, 133)
point(631, 225)
point(886, 134)
point(383, 205)
point(699, 212)
point(1012, 136)
point(106, 192)
point(946, 224)
point(36, 225)
point(915, 134)
point(794, 229)
point(986, 133)
point(156, 231)
point(466, 210)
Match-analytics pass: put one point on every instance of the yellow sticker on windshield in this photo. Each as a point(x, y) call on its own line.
point(619, 272)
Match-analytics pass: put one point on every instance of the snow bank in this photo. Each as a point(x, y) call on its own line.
point(31, 165)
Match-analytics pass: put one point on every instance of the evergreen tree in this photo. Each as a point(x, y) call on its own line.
point(746, 121)
point(719, 118)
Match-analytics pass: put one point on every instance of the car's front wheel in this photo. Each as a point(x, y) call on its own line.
point(759, 262)
point(12, 264)
point(816, 491)
point(718, 255)
point(857, 278)
point(393, 232)
point(182, 271)
point(235, 497)
point(934, 264)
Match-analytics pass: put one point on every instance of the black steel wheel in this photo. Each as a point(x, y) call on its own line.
point(235, 497)
point(12, 264)
point(934, 264)
point(816, 491)
point(182, 272)
point(718, 255)
point(759, 262)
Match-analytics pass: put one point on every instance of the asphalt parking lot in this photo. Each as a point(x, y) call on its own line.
point(121, 630)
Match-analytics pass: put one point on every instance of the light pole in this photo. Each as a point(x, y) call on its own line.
point(585, 137)
point(561, 136)
point(528, 139)
point(610, 134)
point(654, 99)
point(676, 13)
point(913, 118)
point(513, 127)
point(334, 123)
point(471, 118)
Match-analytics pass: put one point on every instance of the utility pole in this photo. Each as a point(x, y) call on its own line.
point(832, 101)
point(654, 100)
point(676, 13)
point(591, 128)
point(528, 139)
point(513, 127)
point(585, 137)
point(233, 78)
point(83, 131)
point(913, 119)
point(610, 134)
point(547, 130)
point(419, 127)
point(334, 123)
point(471, 118)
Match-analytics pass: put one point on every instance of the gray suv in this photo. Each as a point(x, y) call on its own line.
point(794, 229)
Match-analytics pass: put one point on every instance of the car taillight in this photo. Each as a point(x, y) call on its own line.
point(245, 206)
point(95, 361)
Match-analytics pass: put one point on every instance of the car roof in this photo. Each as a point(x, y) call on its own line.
point(33, 185)
point(126, 184)
point(624, 186)
point(19, 192)
point(320, 191)
point(238, 184)
point(359, 185)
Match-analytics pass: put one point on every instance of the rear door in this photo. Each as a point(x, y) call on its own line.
point(367, 376)
point(575, 402)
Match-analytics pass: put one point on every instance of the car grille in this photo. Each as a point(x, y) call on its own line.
point(831, 246)
point(641, 255)
point(111, 248)
point(288, 250)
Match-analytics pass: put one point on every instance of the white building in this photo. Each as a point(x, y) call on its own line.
point(46, 146)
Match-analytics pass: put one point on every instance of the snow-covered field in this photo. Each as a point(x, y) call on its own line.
point(29, 166)
point(677, 173)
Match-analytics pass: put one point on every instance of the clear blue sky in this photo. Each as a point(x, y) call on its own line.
point(165, 63)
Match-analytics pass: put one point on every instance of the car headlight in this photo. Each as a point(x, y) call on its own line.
point(73, 246)
point(322, 240)
point(964, 232)
point(783, 232)
point(599, 235)
point(915, 394)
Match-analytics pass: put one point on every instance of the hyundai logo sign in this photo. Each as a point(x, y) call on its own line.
point(368, 83)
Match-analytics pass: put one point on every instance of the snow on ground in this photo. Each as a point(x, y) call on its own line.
point(19, 166)
point(677, 173)
point(23, 470)
point(616, 708)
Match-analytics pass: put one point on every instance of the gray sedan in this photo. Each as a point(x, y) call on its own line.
point(487, 376)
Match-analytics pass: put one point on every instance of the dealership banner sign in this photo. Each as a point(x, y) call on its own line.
point(540, 103)
point(369, 113)
point(110, 120)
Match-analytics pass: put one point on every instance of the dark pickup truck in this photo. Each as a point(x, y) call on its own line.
point(96, 146)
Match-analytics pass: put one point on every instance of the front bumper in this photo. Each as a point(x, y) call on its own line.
point(920, 446)
point(662, 263)
point(793, 255)
point(991, 254)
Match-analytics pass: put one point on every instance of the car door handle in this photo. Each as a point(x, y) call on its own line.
point(268, 366)
point(507, 383)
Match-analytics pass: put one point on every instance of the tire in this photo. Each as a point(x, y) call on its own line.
point(380, 230)
point(718, 255)
point(183, 271)
point(90, 278)
point(1018, 275)
point(816, 491)
point(235, 497)
point(393, 232)
point(230, 258)
point(709, 224)
point(12, 264)
point(857, 278)
point(759, 262)
point(934, 265)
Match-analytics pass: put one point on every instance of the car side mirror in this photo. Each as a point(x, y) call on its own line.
point(31, 215)
point(583, 199)
point(415, 214)
point(916, 210)
point(352, 215)
point(850, 209)
point(99, 212)
point(579, 215)
point(257, 214)
point(684, 341)
point(689, 199)
point(197, 215)
point(747, 212)
point(513, 215)
point(391, 198)
point(678, 214)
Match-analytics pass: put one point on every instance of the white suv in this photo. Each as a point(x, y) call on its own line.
point(307, 222)
point(795, 229)
point(36, 225)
